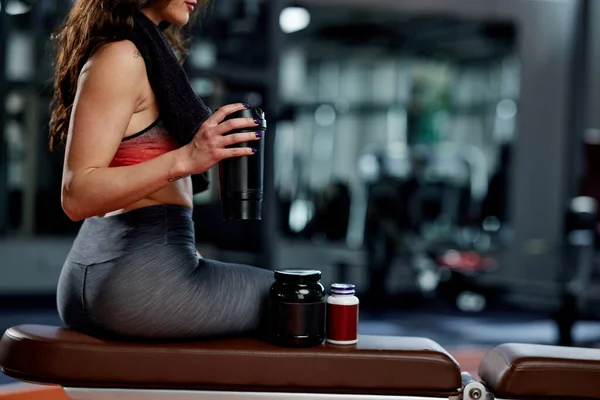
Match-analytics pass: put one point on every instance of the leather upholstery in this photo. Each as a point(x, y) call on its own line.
point(384, 365)
point(538, 371)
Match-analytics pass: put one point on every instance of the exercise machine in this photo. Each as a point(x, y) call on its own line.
point(578, 272)
point(377, 367)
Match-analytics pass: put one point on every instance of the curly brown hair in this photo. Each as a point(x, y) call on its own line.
point(89, 24)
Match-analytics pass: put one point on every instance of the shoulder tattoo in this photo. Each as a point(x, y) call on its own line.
point(137, 54)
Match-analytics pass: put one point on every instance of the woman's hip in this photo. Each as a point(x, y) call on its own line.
point(137, 234)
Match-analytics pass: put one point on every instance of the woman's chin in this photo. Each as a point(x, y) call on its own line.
point(178, 19)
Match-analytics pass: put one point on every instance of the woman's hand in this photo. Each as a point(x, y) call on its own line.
point(209, 145)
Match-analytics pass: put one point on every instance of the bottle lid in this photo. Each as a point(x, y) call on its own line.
point(298, 276)
point(253, 112)
point(343, 289)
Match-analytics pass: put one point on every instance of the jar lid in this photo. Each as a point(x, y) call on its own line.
point(298, 275)
point(343, 288)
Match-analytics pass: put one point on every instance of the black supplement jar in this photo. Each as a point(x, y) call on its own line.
point(297, 308)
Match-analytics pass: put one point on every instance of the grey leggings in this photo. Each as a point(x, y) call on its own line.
point(138, 275)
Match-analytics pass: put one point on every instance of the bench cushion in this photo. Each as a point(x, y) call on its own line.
point(376, 365)
point(538, 371)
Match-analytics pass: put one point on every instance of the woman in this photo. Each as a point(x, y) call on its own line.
point(133, 270)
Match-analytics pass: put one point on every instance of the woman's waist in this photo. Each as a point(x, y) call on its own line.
point(101, 239)
point(150, 202)
point(177, 193)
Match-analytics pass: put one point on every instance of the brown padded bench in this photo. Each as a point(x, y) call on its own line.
point(526, 371)
point(376, 365)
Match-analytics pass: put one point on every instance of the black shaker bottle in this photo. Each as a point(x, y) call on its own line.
point(241, 178)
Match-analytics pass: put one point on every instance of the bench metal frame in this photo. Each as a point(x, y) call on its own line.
point(135, 394)
point(471, 390)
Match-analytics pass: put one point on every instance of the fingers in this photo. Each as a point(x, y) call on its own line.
point(239, 138)
point(219, 115)
point(235, 123)
point(219, 145)
point(236, 152)
point(213, 136)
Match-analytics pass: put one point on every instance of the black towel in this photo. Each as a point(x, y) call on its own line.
point(181, 109)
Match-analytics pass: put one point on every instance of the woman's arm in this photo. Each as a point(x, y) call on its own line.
point(108, 94)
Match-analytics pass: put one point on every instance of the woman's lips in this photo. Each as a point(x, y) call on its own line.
point(190, 6)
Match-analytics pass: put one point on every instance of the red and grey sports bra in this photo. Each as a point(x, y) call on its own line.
point(144, 145)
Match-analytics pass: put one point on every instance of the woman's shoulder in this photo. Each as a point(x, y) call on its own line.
point(117, 51)
point(122, 55)
point(115, 64)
